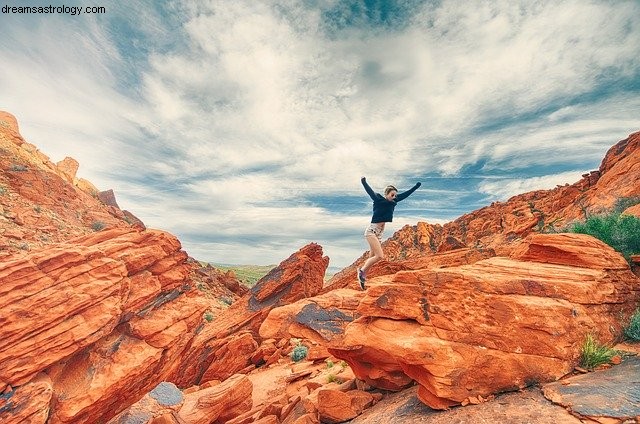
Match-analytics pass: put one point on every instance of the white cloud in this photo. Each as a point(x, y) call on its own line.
point(217, 120)
point(504, 189)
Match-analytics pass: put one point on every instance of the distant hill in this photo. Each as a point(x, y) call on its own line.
point(247, 274)
point(250, 274)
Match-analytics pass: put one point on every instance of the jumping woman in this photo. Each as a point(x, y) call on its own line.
point(383, 207)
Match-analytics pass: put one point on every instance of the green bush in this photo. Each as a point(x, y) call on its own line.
point(299, 353)
point(622, 232)
point(632, 331)
point(98, 225)
point(594, 354)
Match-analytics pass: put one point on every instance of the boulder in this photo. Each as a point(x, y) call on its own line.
point(497, 325)
point(219, 403)
point(319, 318)
point(335, 406)
point(67, 169)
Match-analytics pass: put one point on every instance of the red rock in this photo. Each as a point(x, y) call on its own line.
point(231, 357)
point(348, 278)
point(269, 419)
point(108, 197)
point(307, 419)
point(165, 419)
point(67, 169)
point(72, 298)
point(528, 320)
point(133, 220)
point(299, 276)
point(28, 403)
point(76, 294)
point(219, 403)
point(633, 210)
point(317, 353)
point(319, 318)
point(570, 249)
point(336, 407)
point(9, 121)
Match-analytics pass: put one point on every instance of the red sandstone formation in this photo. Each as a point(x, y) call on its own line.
point(496, 325)
point(319, 318)
point(225, 346)
point(98, 315)
point(43, 203)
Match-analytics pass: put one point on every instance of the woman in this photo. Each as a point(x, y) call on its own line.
point(383, 207)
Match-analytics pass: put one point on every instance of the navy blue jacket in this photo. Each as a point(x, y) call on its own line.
point(383, 208)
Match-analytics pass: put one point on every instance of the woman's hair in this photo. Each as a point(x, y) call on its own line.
point(389, 189)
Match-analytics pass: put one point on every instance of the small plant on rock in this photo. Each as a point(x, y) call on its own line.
point(98, 225)
point(594, 354)
point(18, 168)
point(299, 353)
point(632, 331)
point(208, 316)
point(331, 378)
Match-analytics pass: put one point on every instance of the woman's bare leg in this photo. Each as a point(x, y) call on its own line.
point(376, 254)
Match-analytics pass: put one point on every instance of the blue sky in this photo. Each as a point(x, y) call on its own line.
point(244, 126)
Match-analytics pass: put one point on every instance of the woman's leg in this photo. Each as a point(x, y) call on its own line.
point(376, 254)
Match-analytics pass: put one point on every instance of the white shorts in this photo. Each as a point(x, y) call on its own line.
point(375, 229)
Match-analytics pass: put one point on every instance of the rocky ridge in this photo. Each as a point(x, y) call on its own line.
point(501, 226)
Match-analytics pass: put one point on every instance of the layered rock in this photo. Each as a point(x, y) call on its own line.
point(320, 318)
point(496, 325)
point(167, 404)
point(103, 316)
point(225, 346)
point(44, 203)
point(31, 401)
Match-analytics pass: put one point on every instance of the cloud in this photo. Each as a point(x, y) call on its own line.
point(504, 189)
point(244, 127)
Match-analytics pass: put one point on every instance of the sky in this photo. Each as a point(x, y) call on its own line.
point(243, 126)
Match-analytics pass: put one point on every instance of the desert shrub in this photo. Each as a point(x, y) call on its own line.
point(329, 363)
point(331, 378)
point(622, 232)
point(208, 316)
point(624, 203)
point(632, 331)
point(18, 168)
point(299, 353)
point(594, 354)
point(98, 225)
